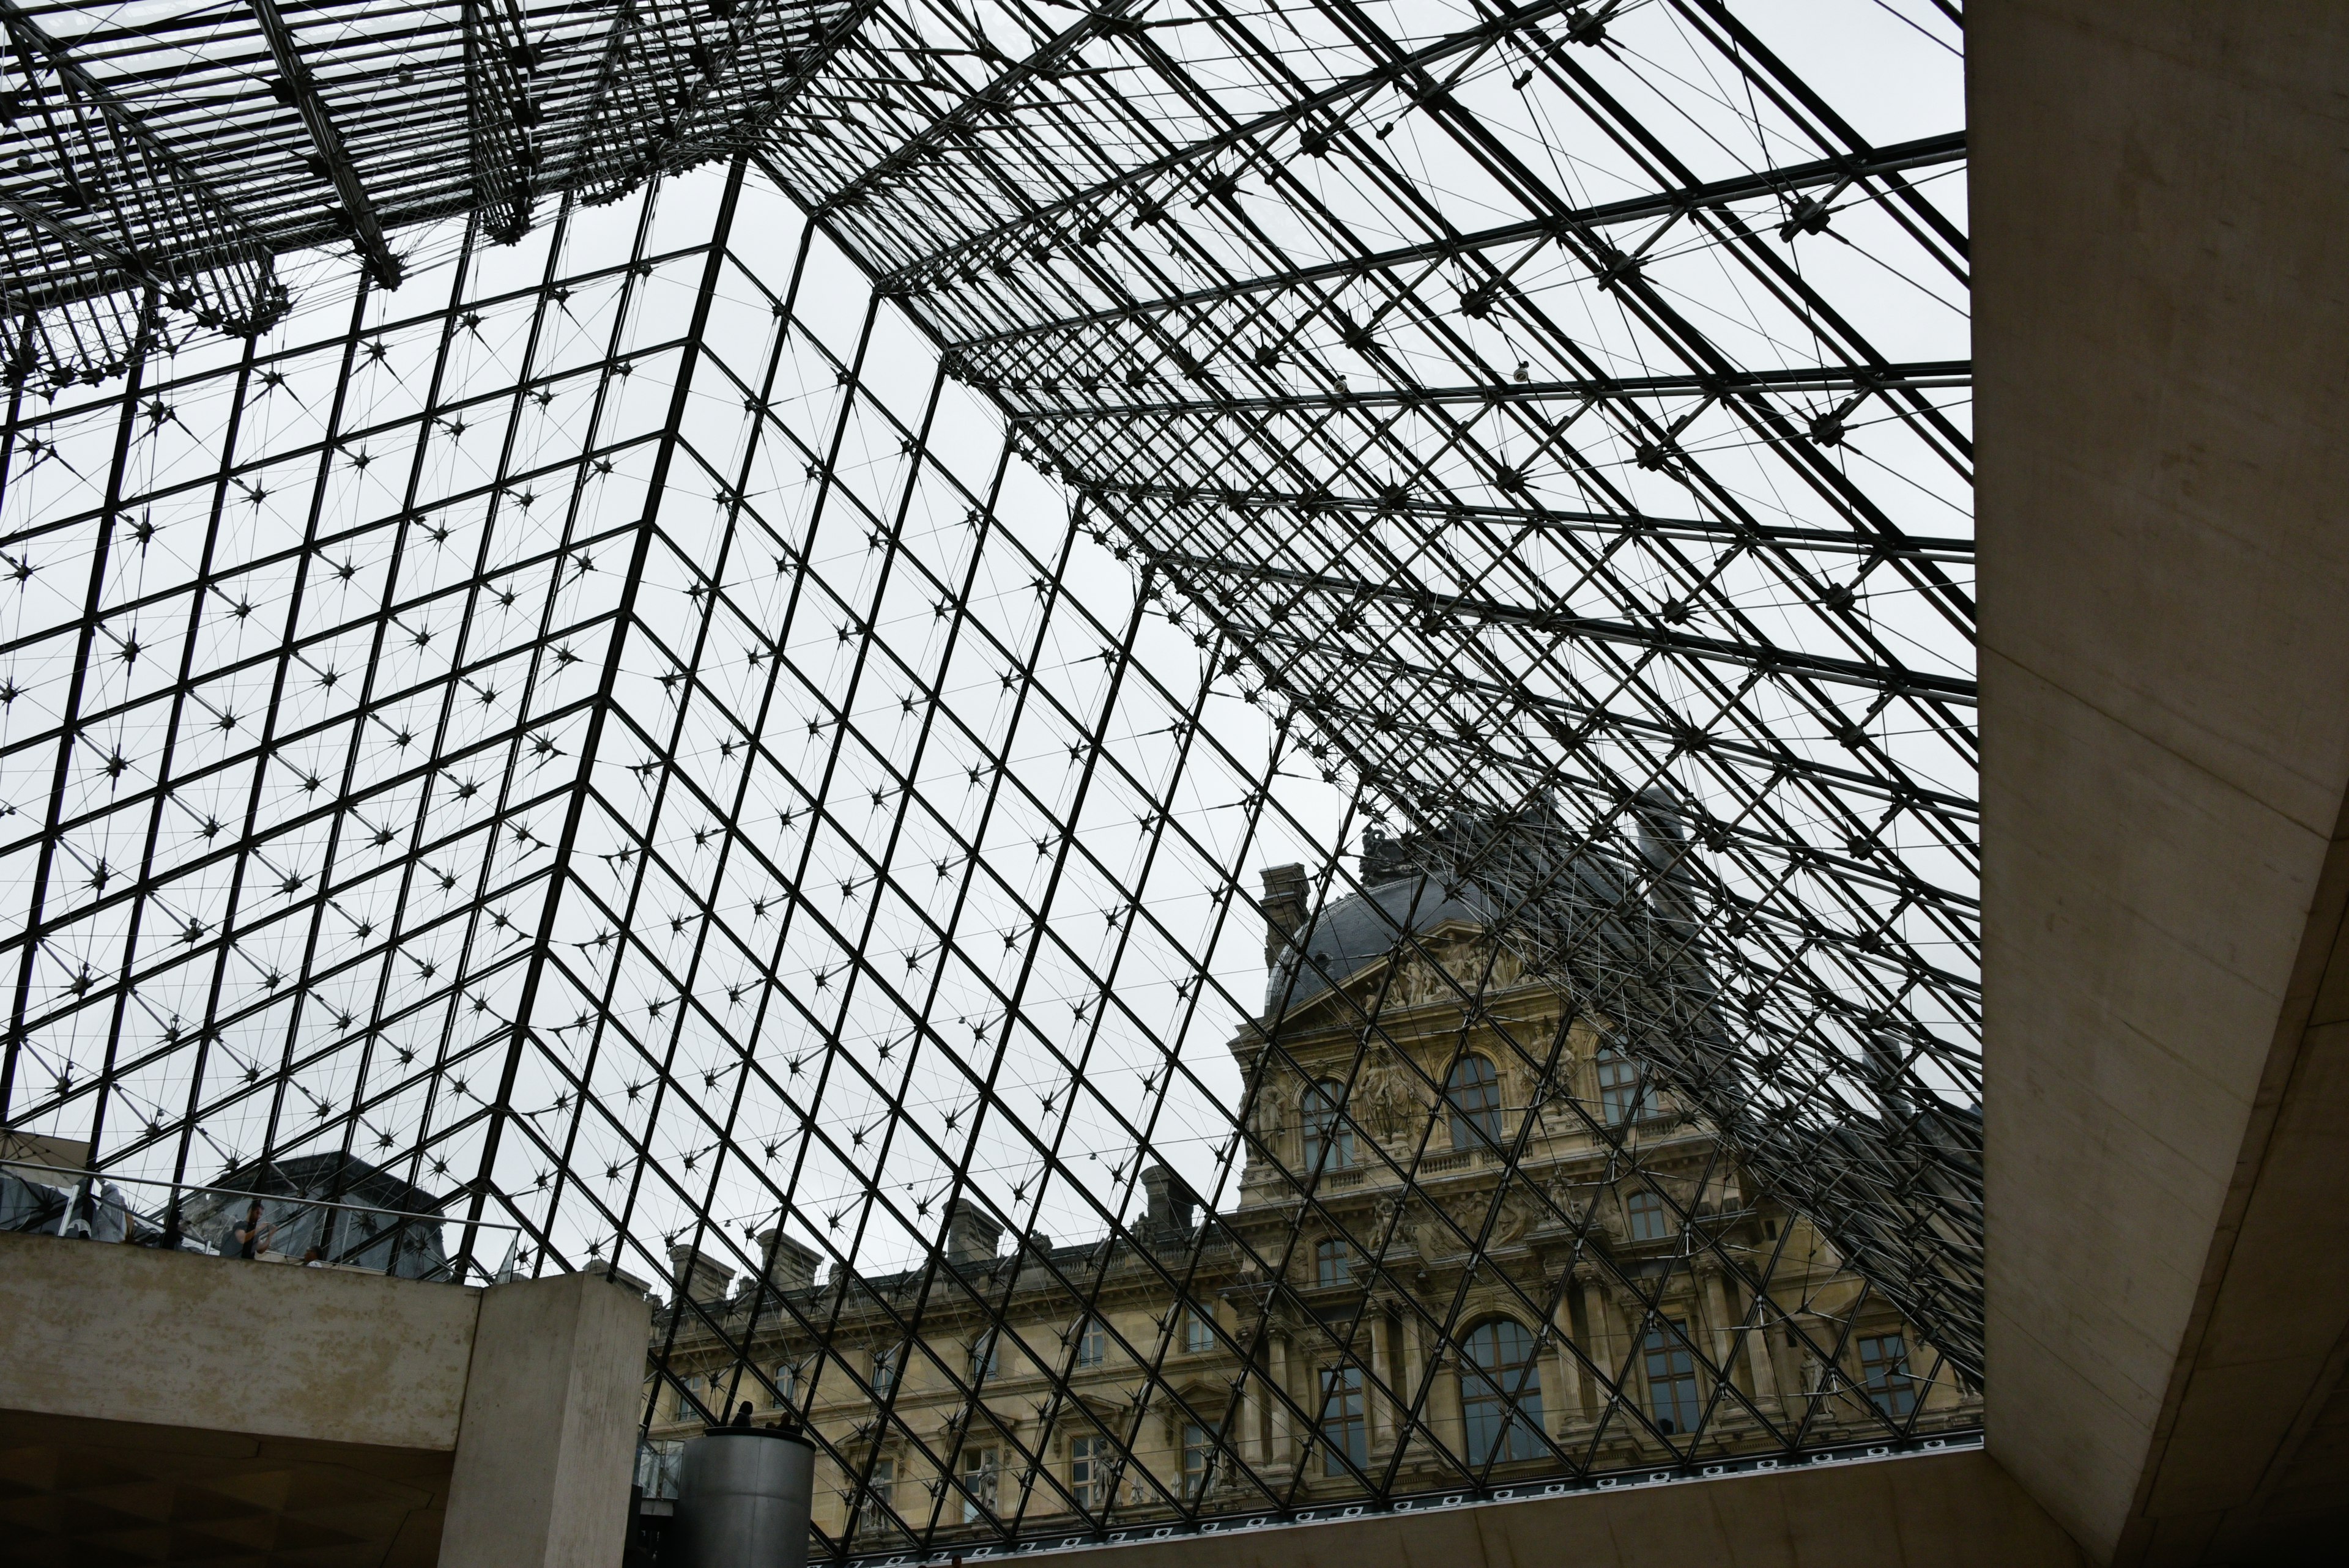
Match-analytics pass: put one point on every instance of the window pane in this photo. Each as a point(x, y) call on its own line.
point(1329, 1139)
point(1671, 1382)
point(1618, 1088)
point(1883, 1373)
point(1198, 1457)
point(1332, 1262)
point(1088, 1471)
point(1500, 1394)
point(1345, 1435)
point(978, 1477)
point(1474, 1093)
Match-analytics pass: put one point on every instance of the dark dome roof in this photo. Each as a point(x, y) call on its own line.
point(1357, 931)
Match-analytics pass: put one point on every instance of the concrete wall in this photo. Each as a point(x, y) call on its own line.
point(1952, 1510)
point(2160, 200)
point(421, 1423)
point(178, 1339)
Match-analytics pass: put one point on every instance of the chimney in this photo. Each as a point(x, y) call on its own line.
point(623, 1277)
point(1662, 824)
point(700, 1279)
point(1171, 1202)
point(790, 1265)
point(971, 1232)
point(1285, 888)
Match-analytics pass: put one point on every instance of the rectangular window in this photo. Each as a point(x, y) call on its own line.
point(1328, 1140)
point(1474, 1092)
point(1198, 1336)
point(1198, 1459)
point(1089, 1472)
point(1345, 1435)
point(1331, 1262)
point(1671, 1381)
point(981, 1467)
point(688, 1391)
point(787, 1383)
point(1092, 1343)
point(885, 1362)
point(1618, 1088)
point(985, 1362)
point(1883, 1373)
point(1645, 1213)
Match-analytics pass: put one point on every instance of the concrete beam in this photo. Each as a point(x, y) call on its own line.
point(178, 1339)
point(2160, 208)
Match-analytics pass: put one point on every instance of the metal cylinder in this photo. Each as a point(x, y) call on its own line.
point(742, 1498)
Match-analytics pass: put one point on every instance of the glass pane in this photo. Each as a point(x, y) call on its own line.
point(1028, 755)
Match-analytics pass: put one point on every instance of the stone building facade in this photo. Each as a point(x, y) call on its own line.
point(1335, 1331)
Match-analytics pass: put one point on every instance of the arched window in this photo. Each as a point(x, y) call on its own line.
point(1500, 1393)
point(1475, 1091)
point(1329, 1139)
point(1619, 1087)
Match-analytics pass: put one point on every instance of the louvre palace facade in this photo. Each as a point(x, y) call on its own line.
point(1456, 1226)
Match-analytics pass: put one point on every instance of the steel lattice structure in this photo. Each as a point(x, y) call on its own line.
point(689, 624)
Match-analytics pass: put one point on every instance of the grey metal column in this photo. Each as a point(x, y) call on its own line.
point(742, 1499)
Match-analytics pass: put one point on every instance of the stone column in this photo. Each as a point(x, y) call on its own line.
point(1604, 1347)
point(1413, 1365)
point(1632, 1331)
point(1444, 1398)
point(1716, 1309)
point(1382, 1367)
point(1284, 1426)
point(1251, 1433)
point(1562, 1400)
point(1766, 1368)
point(548, 1437)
